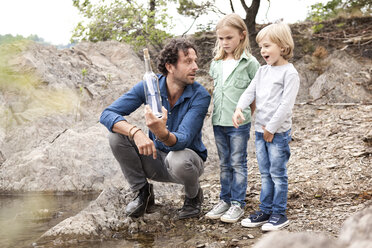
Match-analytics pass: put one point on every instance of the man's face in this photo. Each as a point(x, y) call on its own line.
point(185, 69)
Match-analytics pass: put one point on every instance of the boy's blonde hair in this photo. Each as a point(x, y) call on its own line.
point(280, 34)
point(235, 21)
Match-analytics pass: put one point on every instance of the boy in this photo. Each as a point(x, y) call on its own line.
point(274, 88)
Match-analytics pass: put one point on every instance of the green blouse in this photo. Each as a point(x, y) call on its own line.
point(226, 94)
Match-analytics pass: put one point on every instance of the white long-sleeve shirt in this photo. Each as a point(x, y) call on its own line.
point(275, 89)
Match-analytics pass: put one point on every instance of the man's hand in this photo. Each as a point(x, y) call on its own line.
point(144, 144)
point(238, 117)
point(268, 137)
point(157, 126)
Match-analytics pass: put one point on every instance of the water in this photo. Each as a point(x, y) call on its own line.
point(24, 218)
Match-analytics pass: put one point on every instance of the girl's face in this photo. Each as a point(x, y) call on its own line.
point(229, 39)
point(271, 52)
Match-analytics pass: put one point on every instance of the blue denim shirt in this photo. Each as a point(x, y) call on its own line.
point(185, 119)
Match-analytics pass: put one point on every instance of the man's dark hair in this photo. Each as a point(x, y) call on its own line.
point(169, 54)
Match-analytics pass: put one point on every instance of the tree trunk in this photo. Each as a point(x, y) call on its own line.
point(152, 5)
point(250, 19)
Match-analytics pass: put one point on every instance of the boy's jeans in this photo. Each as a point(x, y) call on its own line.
point(272, 160)
point(232, 150)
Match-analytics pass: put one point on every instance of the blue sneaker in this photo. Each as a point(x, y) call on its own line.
point(276, 222)
point(257, 219)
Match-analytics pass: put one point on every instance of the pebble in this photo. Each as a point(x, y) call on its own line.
point(250, 236)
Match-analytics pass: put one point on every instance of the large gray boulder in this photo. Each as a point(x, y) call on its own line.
point(283, 239)
point(342, 82)
point(356, 231)
point(50, 138)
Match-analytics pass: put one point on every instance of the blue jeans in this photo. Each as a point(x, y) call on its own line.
point(232, 150)
point(272, 161)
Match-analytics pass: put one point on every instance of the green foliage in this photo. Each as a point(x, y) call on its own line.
point(84, 72)
point(335, 8)
point(192, 9)
point(317, 28)
point(340, 25)
point(8, 38)
point(125, 21)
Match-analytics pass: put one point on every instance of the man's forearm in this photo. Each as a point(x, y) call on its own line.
point(168, 139)
point(122, 127)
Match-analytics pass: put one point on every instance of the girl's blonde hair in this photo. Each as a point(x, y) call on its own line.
point(235, 21)
point(280, 34)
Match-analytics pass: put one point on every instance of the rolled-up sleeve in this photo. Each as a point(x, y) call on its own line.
point(123, 106)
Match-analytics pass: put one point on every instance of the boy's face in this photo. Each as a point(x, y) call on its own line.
point(271, 52)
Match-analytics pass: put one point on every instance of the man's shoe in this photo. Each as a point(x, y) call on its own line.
point(233, 214)
point(276, 222)
point(141, 202)
point(257, 219)
point(191, 206)
point(218, 210)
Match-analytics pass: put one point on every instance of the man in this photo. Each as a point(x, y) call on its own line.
point(173, 151)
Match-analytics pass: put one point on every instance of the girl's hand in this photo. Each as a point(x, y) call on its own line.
point(238, 117)
point(268, 137)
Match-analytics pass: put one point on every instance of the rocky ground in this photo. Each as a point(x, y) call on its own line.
point(329, 180)
point(67, 151)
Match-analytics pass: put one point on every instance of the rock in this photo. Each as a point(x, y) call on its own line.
point(357, 229)
point(62, 148)
point(106, 214)
point(338, 83)
point(283, 239)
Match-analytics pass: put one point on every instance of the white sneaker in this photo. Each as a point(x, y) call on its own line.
point(218, 210)
point(233, 214)
point(276, 222)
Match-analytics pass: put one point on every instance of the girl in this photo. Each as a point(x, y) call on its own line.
point(274, 89)
point(232, 70)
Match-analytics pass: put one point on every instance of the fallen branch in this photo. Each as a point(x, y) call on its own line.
point(358, 39)
point(313, 100)
point(336, 103)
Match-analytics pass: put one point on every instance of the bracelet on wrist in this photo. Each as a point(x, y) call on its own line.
point(130, 135)
point(166, 137)
point(138, 129)
point(130, 130)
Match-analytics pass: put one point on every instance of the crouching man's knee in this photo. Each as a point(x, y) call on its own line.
point(185, 164)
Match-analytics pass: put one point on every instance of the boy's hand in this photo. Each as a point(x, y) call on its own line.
point(238, 117)
point(268, 137)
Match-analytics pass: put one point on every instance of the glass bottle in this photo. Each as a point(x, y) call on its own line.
point(151, 86)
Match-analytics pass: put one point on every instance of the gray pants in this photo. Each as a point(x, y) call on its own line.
point(182, 167)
